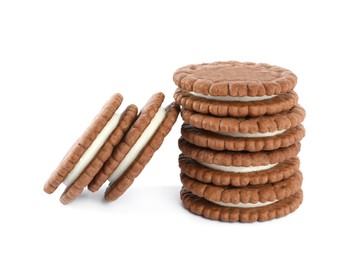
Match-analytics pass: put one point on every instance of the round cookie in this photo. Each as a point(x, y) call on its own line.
point(235, 79)
point(207, 209)
point(204, 174)
point(90, 151)
point(222, 142)
point(269, 124)
point(235, 108)
point(238, 161)
point(138, 146)
point(248, 196)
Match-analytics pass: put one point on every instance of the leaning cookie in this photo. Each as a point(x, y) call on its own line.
point(91, 150)
point(210, 210)
point(137, 147)
point(242, 142)
point(278, 172)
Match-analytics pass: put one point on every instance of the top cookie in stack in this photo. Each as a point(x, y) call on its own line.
point(242, 129)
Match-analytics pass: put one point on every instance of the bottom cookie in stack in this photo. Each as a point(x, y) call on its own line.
point(240, 186)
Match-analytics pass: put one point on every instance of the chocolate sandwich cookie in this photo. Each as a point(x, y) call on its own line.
point(241, 142)
point(278, 172)
point(91, 150)
point(236, 107)
point(246, 204)
point(235, 89)
point(268, 125)
point(249, 196)
point(239, 162)
point(210, 210)
point(137, 147)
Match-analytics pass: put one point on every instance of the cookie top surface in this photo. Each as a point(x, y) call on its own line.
point(235, 78)
point(83, 143)
point(117, 188)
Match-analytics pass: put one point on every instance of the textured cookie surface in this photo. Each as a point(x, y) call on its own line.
point(127, 119)
point(220, 142)
point(82, 144)
point(230, 158)
point(124, 182)
point(248, 194)
point(133, 134)
point(262, 124)
point(221, 178)
point(234, 78)
point(202, 207)
point(277, 104)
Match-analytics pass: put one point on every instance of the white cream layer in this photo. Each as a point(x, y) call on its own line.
point(244, 205)
point(255, 135)
point(139, 145)
point(231, 98)
point(90, 153)
point(238, 169)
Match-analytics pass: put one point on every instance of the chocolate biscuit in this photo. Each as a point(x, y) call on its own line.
point(204, 174)
point(123, 154)
point(262, 124)
point(80, 147)
point(234, 78)
point(207, 209)
point(116, 189)
point(231, 158)
point(221, 142)
point(128, 118)
point(280, 103)
point(248, 194)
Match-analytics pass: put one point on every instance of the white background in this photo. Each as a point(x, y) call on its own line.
point(61, 60)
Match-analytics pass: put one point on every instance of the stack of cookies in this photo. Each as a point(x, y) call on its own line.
point(239, 140)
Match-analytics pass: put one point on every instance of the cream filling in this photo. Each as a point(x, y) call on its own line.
point(94, 148)
point(139, 145)
point(237, 169)
point(231, 98)
point(244, 205)
point(255, 135)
